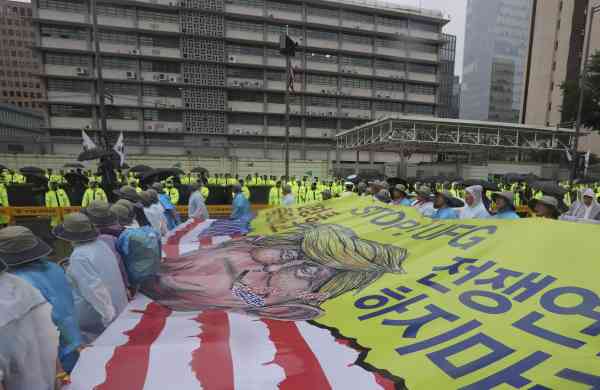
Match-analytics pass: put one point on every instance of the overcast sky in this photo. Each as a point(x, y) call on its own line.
point(455, 8)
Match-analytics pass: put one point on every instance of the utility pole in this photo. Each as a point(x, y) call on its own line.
point(100, 80)
point(582, 76)
point(288, 63)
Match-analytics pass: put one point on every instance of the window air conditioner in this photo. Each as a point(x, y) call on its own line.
point(162, 77)
point(232, 59)
point(82, 71)
point(172, 79)
point(135, 52)
point(132, 75)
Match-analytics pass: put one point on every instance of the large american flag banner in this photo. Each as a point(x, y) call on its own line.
point(150, 347)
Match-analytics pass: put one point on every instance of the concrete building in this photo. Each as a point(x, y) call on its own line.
point(555, 52)
point(495, 55)
point(205, 78)
point(455, 102)
point(20, 130)
point(19, 83)
point(447, 78)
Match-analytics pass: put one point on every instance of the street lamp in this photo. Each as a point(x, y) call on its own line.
point(587, 38)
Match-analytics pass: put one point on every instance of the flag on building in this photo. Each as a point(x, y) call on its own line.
point(292, 79)
point(119, 148)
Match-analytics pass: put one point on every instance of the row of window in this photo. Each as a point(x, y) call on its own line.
point(177, 116)
point(278, 98)
point(336, 13)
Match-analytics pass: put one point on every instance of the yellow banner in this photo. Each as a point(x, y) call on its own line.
point(455, 304)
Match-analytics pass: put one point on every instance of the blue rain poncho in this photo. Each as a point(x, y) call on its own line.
point(140, 248)
point(52, 282)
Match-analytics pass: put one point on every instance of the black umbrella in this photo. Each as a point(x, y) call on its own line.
point(3, 167)
point(514, 177)
point(487, 186)
point(37, 179)
point(141, 169)
point(93, 154)
point(74, 165)
point(200, 170)
point(76, 178)
point(549, 188)
point(159, 175)
point(32, 171)
point(394, 181)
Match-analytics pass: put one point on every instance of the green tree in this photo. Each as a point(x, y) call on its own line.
point(591, 101)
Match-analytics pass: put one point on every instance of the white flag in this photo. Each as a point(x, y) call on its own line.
point(88, 144)
point(587, 161)
point(120, 148)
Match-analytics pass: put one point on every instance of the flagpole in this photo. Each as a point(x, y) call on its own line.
point(288, 63)
point(100, 80)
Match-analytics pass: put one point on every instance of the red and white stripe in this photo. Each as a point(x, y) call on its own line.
point(149, 347)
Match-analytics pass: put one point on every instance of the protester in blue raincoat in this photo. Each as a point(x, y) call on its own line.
point(442, 207)
point(505, 208)
point(27, 260)
point(171, 214)
point(140, 247)
point(241, 206)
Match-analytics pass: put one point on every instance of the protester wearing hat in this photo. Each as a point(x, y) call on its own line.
point(153, 215)
point(400, 196)
point(108, 225)
point(26, 257)
point(158, 209)
point(197, 203)
point(129, 193)
point(474, 208)
point(424, 202)
point(505, 208)
point(99, 290)
point(171, 213)
point(587, 209)
point(383, 196)
point(326, 194)
point(442, 203)
point(139, 246)
point(545, 207)
point(94, 192)
point(362, 188)
point(29, 340)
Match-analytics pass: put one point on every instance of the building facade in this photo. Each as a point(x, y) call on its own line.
point(555, 52)
point(19, 83)
point(20, 130)
point(207, 75)
point(447, 78)
point(496, 42)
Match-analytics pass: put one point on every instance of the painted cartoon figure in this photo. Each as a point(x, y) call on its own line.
point(283, 277)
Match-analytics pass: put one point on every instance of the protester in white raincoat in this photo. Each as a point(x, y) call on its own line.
point(28, 337)
point(586, 209)
point(474, 209)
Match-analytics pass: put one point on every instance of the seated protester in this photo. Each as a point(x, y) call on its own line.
point(545, 207)
point(383, 195)
point(326, 194)
point(362, 189)
point(26, 257)
point(98, 287)
point(424, 202)
point(140, 247)
point(505, 208)
point(474, 209)
point(28, 338)
point(171, 214)
point(129, 193)
point(442, 203)
point(288, 198)
point(400, 196)
point(155, 216)
point(585, 209)
point(107, 224)
point(197, 204)
point(101, 217)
